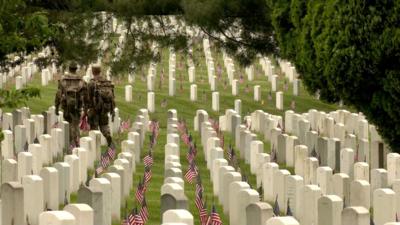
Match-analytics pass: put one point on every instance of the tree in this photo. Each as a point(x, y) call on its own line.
point(348, 51)
point(344, 50)
point(16, 98)
point(242, 27)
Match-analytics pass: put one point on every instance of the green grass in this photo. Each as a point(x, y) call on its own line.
point(186, 110)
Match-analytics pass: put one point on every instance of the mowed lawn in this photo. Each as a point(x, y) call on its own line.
point(187, 110)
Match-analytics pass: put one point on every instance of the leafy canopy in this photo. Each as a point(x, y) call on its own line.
point(344, 50)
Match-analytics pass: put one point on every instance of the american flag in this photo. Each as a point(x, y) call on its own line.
point(191, 173)
point(105, 161)
point(216, 126)
point(181, 126)
point(125, 222)
point(248, 124)
point(356, 155)
point(231, 152)
point(156, 131)
point(203, 215)
point(84, 125)
point(214, 218)
point(125, 125)
point(99, 170)
point(148, 159)
point(221, 140)
point(260, 191)
point(288, 210)
point(111, 152)
point(151, 126)
point(190, 138)
point(185, 138)
point(274, 155)
point(194, 148)
point(36, 140)
point(199, 186)
point(276, 209)
point(55, 125)
point(155, 127)
point(199, 201)
point(140, 192)
point(144, 212)
point(190, 155)
point(131, 217)
point(138, 220)
point(26, 146)
point(314, 152)
point(147, 175)
point(152, 140)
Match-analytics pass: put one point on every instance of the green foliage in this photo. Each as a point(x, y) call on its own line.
point(21, 29)
point(347, 51)
point(343, 50)
point(16, 98)
point(242, 27)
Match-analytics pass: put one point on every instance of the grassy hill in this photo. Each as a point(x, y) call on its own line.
point(186, 110)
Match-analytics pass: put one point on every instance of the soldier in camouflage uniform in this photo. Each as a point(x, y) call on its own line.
point(101, 102)
point(71, 96)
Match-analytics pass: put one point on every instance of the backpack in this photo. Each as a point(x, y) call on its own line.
point(71, 87)
point(104, 96)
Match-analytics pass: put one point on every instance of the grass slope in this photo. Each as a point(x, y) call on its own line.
point(186, 110)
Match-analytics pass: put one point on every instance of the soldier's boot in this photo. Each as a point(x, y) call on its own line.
point(109, 141)
point(74, 132)
point(105, 130)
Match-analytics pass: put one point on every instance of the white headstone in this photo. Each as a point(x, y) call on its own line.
point(56, 218)
point(33, 197)
point(279, 100)
point(151, 102)
point(257, 93)
point(384, 204)
point(50, 184)
point(355, 216)
point(330, 210)
point(193, 92)
point(215, 101)
point(83, 213)
point(128, 93)
point(105, 186)
point(180, 216)
point(274, 83)
point(360, 193)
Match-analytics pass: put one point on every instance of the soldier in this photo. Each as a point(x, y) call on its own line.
point(100, 100)
point(71, 96)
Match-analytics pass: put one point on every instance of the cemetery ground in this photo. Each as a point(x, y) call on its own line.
point(186, 110)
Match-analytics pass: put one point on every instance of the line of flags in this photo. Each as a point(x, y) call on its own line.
point(231, 156)
point(276, 209)
point(193, 174)
point(125, 126)
point(106, 159)
point(155, 131)
point(217, 128)
point(142, 216)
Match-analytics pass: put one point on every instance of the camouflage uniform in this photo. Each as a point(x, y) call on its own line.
point(71, 114)
point(97, 116)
